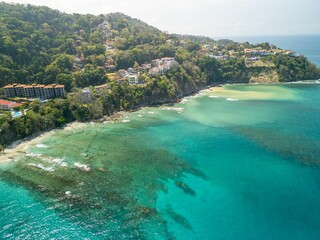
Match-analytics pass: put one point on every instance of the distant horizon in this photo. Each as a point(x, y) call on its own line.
point(270, 35)
point(217, 18)
point(250, 37)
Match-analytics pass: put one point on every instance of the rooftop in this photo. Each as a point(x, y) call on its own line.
point(15, 85)
point(5, 102)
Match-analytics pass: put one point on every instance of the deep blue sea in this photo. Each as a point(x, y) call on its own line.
point(234, 162)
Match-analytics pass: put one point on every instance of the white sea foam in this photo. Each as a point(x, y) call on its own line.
point(82, 167)
point(184, 100)
point(36, 155)
point(68, 193)
point(75, 125)
point(213, 96)
point(140, 115)
point(232, 99)
point(305, 82)
point(151, 112)
point(174, 109)
point(40, 145)
point(107, 122)
point(42, 167)
point(64, 164)
point(57, 161)
point(54, 161)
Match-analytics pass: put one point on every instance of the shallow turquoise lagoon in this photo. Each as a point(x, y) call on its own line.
point(238, 162)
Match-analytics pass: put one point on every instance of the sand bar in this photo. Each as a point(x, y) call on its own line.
point(253, 92)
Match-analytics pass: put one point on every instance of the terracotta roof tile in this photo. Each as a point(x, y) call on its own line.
point(5, 102)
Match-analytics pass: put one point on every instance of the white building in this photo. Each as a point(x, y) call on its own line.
point(133, 79)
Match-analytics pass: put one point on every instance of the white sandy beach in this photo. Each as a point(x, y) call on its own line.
point(20, 147)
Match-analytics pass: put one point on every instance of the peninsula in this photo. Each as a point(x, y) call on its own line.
point(56, 68)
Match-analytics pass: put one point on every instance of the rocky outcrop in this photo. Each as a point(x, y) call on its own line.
point(265, 77)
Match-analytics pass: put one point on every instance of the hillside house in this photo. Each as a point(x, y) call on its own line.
point(131, 71)
point(156, 63)
point(8, 105)
point(233, 53)
point(256, 52)
point(167, 63)
point(146, 66)
point(123, 72)
point(219, 57)
point(133, 79)
point(156, 70)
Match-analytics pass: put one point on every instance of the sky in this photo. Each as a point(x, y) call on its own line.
point(213, 18)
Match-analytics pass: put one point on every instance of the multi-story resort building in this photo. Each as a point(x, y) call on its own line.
point(35, 91)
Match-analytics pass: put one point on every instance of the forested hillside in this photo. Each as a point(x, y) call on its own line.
point(41, 45)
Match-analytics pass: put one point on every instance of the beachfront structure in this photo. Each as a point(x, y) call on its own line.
point(8, 105)
point(35, 91)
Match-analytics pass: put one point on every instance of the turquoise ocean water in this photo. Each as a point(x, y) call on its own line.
point(219, 165)
point(238, 162)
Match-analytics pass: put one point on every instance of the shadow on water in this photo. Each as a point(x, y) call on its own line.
point(185, 188)
point(178, 218)
point(287, 145)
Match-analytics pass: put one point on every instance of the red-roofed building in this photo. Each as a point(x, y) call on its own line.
point(8, 105)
